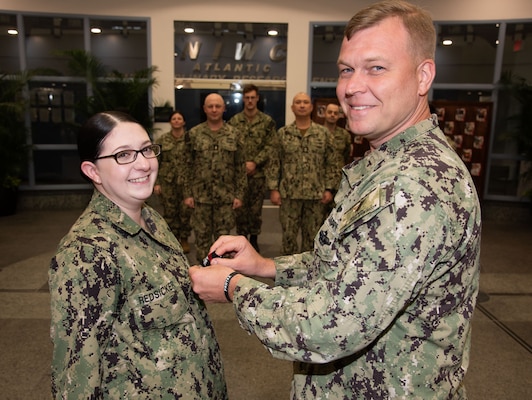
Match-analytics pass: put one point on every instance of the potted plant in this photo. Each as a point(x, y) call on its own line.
point(13, 148)
point(113, 90)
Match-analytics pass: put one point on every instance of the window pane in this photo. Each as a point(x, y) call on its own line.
point(471, 56)
point(46, 37)
point(326, 44)
point(462, 95)
point(53, 112)
point(322, 92)
point(53, 167)
point(122, 45)
point(503, 142)
point(518, 50)
point(9, 55)
point(506, 178)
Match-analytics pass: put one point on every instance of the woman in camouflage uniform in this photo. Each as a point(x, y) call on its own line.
point(125, 322)
point(169, 184)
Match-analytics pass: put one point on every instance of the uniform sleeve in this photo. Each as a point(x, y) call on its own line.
point(188, 165)
point(292, 270)
point(367, 275)
point(264, 154)
point(332, 172)
point(84, 292)
point(347, 148)
point(241, 181)
point(273, 168)
point(161, 159)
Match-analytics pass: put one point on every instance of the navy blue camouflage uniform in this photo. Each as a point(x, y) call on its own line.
point(125, 322)
point(382, 307)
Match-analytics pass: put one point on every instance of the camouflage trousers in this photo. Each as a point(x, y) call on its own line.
point(176, 213)
point(249, 216)
point(210, 221)
point(295, 214)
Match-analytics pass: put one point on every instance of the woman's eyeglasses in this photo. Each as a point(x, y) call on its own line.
point(128, 156)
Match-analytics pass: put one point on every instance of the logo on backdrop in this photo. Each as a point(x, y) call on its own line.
point(230, 58)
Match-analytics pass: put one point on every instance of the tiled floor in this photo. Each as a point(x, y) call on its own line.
point(501, 359)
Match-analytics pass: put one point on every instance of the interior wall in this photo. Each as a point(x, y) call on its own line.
point(297, 13)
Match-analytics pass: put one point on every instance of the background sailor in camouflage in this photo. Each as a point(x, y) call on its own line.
point(169, 184)
point(125, 322)
point(216, 178)
point(257, 130)
point(340, 136)
point(301, 176)
point(341, 143)
point(382, 308)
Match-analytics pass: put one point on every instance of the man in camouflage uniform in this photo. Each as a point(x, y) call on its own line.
point(382, 307)
point(257, 130)
point(216, 178)
point(301, 176)
point(340, 136)
point(169, 184)
point(341, 142)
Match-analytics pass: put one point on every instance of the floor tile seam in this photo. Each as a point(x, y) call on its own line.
point(510, 294)
point(505, 274)
point(25, 319)
point(513, 335)
point(24, 262)
point(39, 290)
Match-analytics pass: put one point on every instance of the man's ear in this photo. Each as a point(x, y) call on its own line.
point(426, 71)
point(91, 171)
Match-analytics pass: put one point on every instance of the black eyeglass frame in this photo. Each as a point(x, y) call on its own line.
point(156, 148)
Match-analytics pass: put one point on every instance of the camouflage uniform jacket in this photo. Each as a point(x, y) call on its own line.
point(172, 159)
point(342, 144)
point(302, 167)
point(125, 322)
point(257, 136)
point(216, 165)
point(382, 308)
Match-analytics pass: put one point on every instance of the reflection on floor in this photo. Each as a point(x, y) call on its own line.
point(501, 361)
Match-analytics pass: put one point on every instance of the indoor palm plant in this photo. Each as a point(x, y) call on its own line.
point(13, 147)
point(113, 90)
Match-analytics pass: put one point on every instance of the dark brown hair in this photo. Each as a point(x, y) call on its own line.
point(176, 112)
point(250, 88)
point(95, 130)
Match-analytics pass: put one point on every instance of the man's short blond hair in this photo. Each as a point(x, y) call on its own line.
point(417, 21)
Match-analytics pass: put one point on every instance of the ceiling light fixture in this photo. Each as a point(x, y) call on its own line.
point(273, 32)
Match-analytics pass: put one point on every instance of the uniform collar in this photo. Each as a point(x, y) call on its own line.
point(116, 216)
point(391, 147)
point(399, 141)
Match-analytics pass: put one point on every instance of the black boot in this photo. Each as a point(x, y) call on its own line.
point(253, 241)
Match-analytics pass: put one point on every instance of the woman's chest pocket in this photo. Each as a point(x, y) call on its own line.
point(160, 307)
